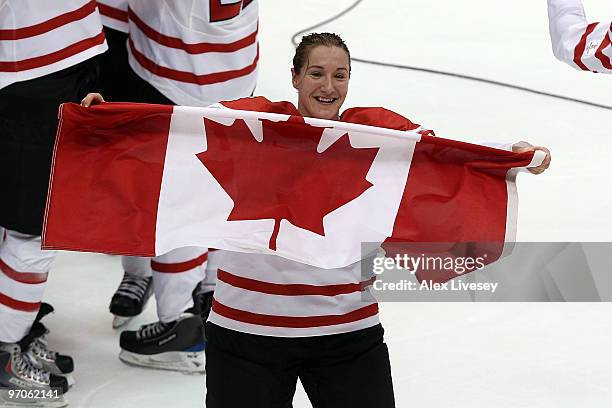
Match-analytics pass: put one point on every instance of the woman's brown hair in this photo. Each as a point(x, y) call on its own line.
point(313, 40)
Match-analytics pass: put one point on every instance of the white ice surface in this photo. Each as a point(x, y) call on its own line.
point(535, 355)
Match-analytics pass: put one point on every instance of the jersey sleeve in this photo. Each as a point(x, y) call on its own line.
point(575, 41)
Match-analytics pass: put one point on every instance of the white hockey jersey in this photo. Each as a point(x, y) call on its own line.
point(195, 52)
point(114, 14)
point(272, 296)
point(585, 46)
point(37, 39)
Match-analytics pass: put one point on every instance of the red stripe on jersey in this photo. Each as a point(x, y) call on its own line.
point(51, 24)
point(113, 12)
point(605, 60)
point(48, 59)
point(23, 277)
point(18, 304)
point(179, 266)
point(199, 48)
point(579, 50)
point(190, 77)
point(290, 289)
point(293, 321)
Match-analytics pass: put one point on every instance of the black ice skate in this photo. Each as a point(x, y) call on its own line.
point(130, 298)
point(34, 346)
point(24, 385)
point(176, 346)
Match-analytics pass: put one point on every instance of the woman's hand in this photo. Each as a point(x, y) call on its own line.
point(522, 147)
point(92, 99)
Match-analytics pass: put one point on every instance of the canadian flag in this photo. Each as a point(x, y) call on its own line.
point(142, 180)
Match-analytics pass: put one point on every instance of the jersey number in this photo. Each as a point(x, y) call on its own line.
point(222, 10)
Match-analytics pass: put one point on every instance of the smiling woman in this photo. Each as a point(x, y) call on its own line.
point(321, 72)
point(274, 320)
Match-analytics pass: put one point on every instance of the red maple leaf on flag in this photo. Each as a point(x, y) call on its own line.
point(284, 177)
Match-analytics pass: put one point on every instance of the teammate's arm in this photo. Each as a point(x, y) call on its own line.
point(585, 46)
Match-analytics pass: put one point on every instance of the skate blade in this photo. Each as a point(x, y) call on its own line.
point(7, 402)
point(191, 362)
point(119, 321)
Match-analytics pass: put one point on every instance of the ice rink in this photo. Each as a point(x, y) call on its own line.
point(472, 355)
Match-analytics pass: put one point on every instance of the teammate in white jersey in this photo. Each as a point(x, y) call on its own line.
point(46, 58)
point(575, 41)
point(189, 53)
point(195, 52)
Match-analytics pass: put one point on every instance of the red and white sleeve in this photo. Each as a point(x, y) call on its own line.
point(575, 41)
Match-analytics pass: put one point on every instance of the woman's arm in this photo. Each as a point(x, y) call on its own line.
point(583, 45)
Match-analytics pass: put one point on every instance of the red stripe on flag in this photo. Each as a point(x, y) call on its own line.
point(444, 189)
point(51, 24)
point(291, 289)
point(293, 321)
point(579, 50)
point(41, 61)
point(23, 277)
point(190, 77)
point(605, 60)
point(179, 266)
point(113, 12)
point(438, 168)
point(18, 304)
point(198, 48)
point(108, 163)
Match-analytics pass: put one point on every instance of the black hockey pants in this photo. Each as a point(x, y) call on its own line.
point(337, 371)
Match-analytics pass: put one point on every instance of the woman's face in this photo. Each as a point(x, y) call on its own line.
point(322, 83)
